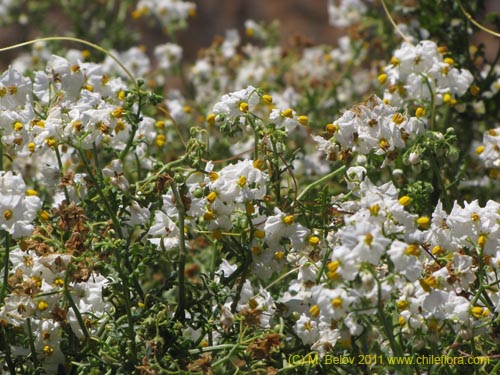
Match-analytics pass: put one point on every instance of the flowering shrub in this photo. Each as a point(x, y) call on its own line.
point(279, 206)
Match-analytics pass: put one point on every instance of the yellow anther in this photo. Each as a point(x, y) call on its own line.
point(314, 311)
point(423, 222)
point(160, 140)
point(337, 303)
point(259, 233)
point(244, 107)
point(211, 196)
point(313, 240)
point(420, 112)
point(398, 118)
point(412, 250)
point(382, 78)
point(242, 181)
point(42, 305)
point(303, 120)
point(287, 113)
point(213, 176)
point(211, 118)
point(268, 99)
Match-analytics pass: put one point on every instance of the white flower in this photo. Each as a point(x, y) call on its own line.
point(332, 303)
point(18, 205)
point(344, 13)
point(281, 226)
point(306, 329)
point(168, 231)
point(406, 259)
point(168, 55)
point(231, 105)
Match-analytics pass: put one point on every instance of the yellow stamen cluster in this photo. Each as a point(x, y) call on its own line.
point(313, 240)
point(420, 112)
point(398, 118)
point(480, 312)
point(244, 107)
point(382, 78)
point(384, 144)
point(7, 214)
point(160, 140)
point(303, 120)
point(333, 266)
point(448, 99)
point(287, 113)
point(279, 255)
point(374, 209)
point(48, 350)
point(259, 233)
point(331, 128)
point(44, 215)
point(42, 305)
point(402, 305)
point(118, 112)
point(211, 196)
point(258, 164)
point(211, 118)
point(337, 303)
point(314, 311)
point(242, 181)
point(50, 141)
point(268, 99)
point(213, 176)
point(438, 250)
point(481, 241)
point(412, 249)
point(428, 283)
point(423, 222)
point(289, 219)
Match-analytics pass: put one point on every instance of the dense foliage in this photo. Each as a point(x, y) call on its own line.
point(265, 209)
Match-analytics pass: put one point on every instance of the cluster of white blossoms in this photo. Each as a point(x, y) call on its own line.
point(39, 304)
point(422, 73)
point(19, 206)
point(345, 13)
point(80, 105)
point(235, 108)
point(384, 254)
point(489, 150)
point(370, 127)
point(170, 13)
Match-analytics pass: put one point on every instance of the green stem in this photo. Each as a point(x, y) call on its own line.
point(111, 212)
point(3, 291)
point(320, 181)
point(276, 172)
point(31, 341)
point(213, 348)
point(73, 306)
point(167, 167)
point(433, 102)
point(8, 354)
point(128, 304)
point(61, 173)
point(442, 187)
point(180, 313)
